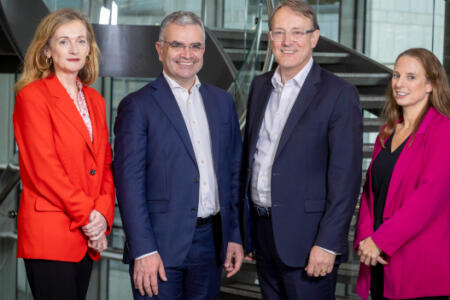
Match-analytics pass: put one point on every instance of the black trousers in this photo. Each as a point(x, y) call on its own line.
point(56, 280)
point(377, 286)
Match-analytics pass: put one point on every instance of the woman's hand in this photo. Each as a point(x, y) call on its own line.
point(369, 253)
point(100, 244)
point(96, 227)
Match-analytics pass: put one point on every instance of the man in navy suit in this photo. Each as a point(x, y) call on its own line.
point(302, 159)
point(177, 170)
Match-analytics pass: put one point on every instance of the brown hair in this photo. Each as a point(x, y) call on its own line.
point(299, 7)
point(439, 98)
point(35, 63)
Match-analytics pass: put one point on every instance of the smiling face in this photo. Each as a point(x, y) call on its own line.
point(181, 63)
point(68, 48)
point(410, 86)
point(290, 55)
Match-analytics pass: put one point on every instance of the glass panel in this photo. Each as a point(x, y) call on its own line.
point(394, 26)
point(250, 67)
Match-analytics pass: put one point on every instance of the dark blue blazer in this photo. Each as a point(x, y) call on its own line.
point(156, 173)
point(316, 173)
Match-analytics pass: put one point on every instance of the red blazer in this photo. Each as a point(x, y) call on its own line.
point(415, 233)
point(64, 175)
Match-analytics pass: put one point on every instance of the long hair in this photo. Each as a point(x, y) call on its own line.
point(36, 65)
point(439, 98)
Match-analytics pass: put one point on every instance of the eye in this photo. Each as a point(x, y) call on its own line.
point(196, 46)
point(278, 33)
point(176, 45)
point(82, 41)
point(297, 33)
point(395, 76)
point(411, 77)
point(62, 42)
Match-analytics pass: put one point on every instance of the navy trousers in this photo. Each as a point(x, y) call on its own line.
point(198, 278)
point(279, 281)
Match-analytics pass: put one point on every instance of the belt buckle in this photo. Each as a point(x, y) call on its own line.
point(262, 211)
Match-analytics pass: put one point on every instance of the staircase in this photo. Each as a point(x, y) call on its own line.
point(371, 79)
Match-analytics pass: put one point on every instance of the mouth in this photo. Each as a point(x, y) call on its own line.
point(401, 94)
point(288, 51)
point(73, 59)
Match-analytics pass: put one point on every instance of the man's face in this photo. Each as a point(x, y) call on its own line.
point(181, 53)
point(293, 52)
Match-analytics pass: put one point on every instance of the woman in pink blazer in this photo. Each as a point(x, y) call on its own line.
point(403, 230)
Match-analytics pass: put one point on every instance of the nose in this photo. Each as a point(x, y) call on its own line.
point(287, 39)
point(186, 52)
point(397, 82)
point(73, 47)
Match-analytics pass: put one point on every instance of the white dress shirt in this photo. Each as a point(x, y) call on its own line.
point(277, 112)
point(194, 115)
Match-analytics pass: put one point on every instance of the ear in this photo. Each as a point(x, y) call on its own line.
point(315, 38)
point(47, 51)
point(429, 87)
point(159, 49)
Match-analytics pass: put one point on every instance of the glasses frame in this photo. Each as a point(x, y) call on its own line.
point(293, 38)
point(177, 46)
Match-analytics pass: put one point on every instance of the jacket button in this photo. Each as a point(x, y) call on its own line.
point(92, 172)
point(193, 209)
point(195, 179)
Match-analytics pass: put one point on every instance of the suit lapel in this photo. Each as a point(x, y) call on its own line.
point(262, 96)
point(302, 102)
point(65, 104)
point(212, 114)
point(95, 117)
point(404, 161)
point(166, 100)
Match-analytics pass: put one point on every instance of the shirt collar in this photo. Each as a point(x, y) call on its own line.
point(174, 85)
point(298, 79)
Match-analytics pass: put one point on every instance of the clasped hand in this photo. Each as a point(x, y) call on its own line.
point(370, 253)
point(95, 231)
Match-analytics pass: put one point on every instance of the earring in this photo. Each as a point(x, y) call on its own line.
point(49, 61)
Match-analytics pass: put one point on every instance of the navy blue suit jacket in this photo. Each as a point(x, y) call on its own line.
point(156, 173)
point(316, 172)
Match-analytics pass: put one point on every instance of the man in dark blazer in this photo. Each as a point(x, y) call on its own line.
point(177, 169)
point(302, 159)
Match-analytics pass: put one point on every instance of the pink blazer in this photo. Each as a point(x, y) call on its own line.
point(415, 233)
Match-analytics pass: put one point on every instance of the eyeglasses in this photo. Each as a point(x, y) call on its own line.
point(295, 35)
point(177, 46)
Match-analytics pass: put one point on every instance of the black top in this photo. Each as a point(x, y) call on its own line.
point(381, 173)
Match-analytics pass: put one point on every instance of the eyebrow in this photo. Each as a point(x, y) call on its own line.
point(67, 37)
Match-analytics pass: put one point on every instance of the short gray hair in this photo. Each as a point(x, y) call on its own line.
point(181, 18)
point(299, 7)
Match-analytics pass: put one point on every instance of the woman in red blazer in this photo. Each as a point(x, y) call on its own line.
point(403, 230)
point(67, 202)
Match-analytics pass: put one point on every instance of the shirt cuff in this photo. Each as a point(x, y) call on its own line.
point(329, 251)
point(145, 255)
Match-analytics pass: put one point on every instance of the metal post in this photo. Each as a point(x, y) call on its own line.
point(446, 60)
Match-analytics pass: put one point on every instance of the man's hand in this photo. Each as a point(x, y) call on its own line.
point(320, 262)
point(146, 272)
point(250, 257)
point(233, 260)
point(99, 244)
point(369, 253)
point(96, 227)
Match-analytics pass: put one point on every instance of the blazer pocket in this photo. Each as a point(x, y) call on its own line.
point(315, 206)
point(158, 205)
point(42, 204)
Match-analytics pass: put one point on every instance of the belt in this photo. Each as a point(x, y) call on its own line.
point(205, 221)
point(261, 211)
